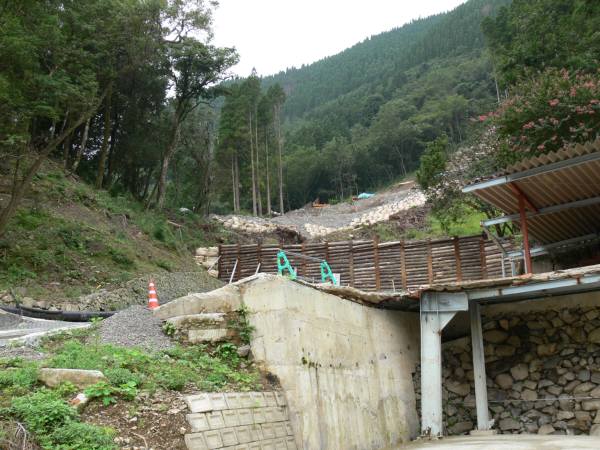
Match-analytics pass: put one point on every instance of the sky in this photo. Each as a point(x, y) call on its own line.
point(272, 35)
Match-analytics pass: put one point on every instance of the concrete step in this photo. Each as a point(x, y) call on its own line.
point(204, 320)
point(222, 300)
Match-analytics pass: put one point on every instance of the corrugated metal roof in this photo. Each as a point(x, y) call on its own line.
point(568, 175)
point(559, 155)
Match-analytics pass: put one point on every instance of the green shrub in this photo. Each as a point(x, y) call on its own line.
point(18, 378)
point(82, 436)
point(42, 412)
point(120, 375)
point(108, 393)
point(121, 258)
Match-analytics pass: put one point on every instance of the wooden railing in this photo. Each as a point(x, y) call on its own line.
point(373, 266)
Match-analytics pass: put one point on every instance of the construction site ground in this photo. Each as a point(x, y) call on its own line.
point(316, 222)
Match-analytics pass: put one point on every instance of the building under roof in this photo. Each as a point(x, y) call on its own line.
point(555, 199)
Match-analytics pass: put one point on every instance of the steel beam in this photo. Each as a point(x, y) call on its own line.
point(533, 172)
point(543, 211)
point(437, 309)
point(545, 249)
point(540, 289)
point(525, 231)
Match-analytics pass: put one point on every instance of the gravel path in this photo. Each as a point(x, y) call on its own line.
point(135, 326)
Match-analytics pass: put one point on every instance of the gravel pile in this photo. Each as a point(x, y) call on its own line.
point(135, 326)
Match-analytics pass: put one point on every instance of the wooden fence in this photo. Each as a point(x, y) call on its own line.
point(373, 266)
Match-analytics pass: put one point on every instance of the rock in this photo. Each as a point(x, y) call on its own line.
point(546, 429)
point(595, 378)
point(78, 377)
point(514, 341)
point(595, 430)
point(457, 388)
point(590, 405)
point(583, 387)
point(519, 372)
point(595, 392)
point(546, 349)
point(495, 336)
point(530, 384)
point(591, 315)
point(594, 336)
point(529, 395)
point(572, 385)
point(503, 324)
point(509, 424)
point(564, 415)
point(569, 376)
point(504, 380)
point(505, 350)
point(243, 351)
point(584, 375)
point(460, 427)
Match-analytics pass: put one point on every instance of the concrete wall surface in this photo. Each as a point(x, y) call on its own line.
point(346, 369)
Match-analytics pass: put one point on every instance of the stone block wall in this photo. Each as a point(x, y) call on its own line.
point(543, 373)
point(239, 420)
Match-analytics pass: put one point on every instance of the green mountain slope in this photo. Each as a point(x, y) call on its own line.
point(379, 61)
point(362, 118)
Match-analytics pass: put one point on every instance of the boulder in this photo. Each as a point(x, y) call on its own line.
point(546, 349)
point(495, 336)
point(519, 372)
point(504, 380)
point(595, 430)
point(546, 429)
point(461, 389)
point(78, 377)
point(594, 336)
point(509, 424)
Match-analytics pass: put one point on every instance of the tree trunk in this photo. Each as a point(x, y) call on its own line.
point(237, 183)
point(233, 180)
point(112, 151)
point(20, 187)
point(106, 138)
point(258, 190)
point(254, 210)
point(164, 168)
point(267, 169)
point(82, 146)
point(67, 150)
point(280, 168)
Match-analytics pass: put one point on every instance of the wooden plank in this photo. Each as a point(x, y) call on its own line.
point(403, 265)
point(376, 262)
point(457, 259)
point(482, 258)
point(429, 263)
point(351, 262)
point(303, 251)
point(239, 263)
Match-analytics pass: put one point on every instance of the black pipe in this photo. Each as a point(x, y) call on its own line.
point(67, 316)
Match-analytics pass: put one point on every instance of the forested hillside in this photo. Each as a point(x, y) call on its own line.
point(362, 118)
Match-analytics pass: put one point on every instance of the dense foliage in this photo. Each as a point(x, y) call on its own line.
point(106, 86)
point(548, 112)
point(528, 36)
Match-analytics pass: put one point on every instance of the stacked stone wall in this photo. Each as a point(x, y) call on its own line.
point(543, 373)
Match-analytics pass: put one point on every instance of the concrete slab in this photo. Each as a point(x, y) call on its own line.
point(508, 442)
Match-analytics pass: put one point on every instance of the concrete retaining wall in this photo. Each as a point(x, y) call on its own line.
point(346, 368)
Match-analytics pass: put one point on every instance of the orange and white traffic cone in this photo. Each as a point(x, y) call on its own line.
point(152, 298)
